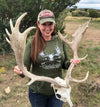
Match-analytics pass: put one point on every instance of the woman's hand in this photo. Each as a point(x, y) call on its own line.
point(75, 61)
point(17, 70)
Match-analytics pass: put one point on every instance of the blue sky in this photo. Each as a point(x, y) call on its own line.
point(95, 4)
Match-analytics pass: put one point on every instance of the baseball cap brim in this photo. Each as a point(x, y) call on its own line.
point(42, 21)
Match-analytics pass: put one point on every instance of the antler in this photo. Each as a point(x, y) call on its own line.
point(18, 43)
point(65, 92)
point(77, 36)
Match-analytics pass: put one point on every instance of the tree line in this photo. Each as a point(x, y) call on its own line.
point(93, 13)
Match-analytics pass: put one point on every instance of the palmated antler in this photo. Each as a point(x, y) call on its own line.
point(18, 43)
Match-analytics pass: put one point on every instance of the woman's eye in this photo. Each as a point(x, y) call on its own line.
point(44, 24)
point(50, 23)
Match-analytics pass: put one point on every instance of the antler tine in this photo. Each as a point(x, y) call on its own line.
point(8, 35)
point(64, 39)
point(83, 57)
point(81, 29)
point(79, 81)
point(7, 32)
point(28, 30)
point(19, 20)
point(11, 25)
point(75, 56)
point(8, 41)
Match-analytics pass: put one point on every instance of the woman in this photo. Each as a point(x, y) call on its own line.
point(47, 56)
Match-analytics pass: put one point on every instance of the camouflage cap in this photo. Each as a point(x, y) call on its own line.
point(46, 16)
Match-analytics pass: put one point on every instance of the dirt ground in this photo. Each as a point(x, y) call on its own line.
point(10, 79)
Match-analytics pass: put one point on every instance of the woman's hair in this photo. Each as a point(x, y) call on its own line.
point(38, 44)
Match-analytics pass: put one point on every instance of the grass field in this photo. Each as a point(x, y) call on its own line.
point(86, 94)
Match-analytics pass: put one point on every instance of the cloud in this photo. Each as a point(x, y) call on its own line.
point(95, 4)
point(89, 2)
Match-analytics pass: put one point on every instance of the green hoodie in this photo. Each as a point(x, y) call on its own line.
point(50, 63)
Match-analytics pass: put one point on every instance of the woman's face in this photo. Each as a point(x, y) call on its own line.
point(46, 29)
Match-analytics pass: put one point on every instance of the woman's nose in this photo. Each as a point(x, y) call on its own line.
point(47, 27)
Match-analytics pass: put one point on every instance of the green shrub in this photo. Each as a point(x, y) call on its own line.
point(60, 20)
point(93, 13)
point(80, 13)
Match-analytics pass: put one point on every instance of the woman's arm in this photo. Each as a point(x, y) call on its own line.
point(66, 60)
point(27, 56)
